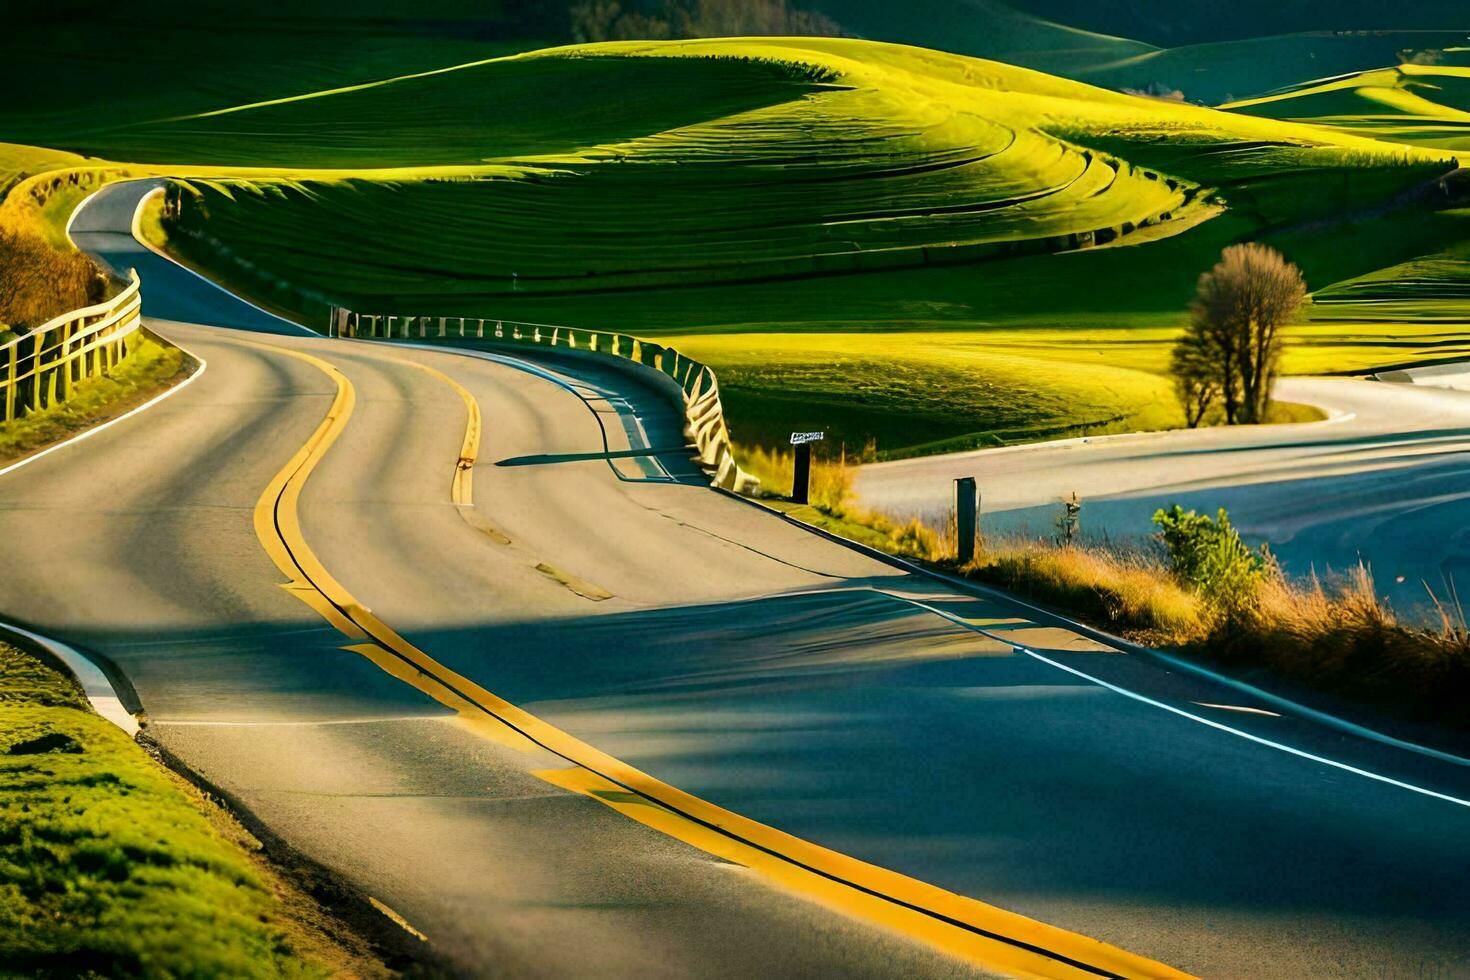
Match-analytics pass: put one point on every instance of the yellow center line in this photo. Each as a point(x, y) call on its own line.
point(462, 489)
point(983, 934)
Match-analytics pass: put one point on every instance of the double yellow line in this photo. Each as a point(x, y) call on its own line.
point(984, 935)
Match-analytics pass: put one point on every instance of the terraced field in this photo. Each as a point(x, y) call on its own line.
point(777, 158)
point(728, 160)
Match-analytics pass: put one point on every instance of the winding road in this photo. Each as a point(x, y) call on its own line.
point(566, 711)
point(1383, 481)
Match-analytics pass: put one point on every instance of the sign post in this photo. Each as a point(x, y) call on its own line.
point(966, 518)
point(802, 477)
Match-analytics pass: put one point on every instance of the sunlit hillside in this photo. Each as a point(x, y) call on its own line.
point(1426, 105)
point(732, 160)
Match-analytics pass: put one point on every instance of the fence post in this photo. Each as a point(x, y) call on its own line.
point(966, 518)
point(10, 383)
point(802, 477)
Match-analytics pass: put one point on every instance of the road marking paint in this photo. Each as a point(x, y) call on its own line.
point(1239, 707)
point(89, 433)
point(1290, 750)
point(462, 489)
point(980, 933)
point(803, 881)
point(581, 587)
point(398, 920)
point(582, 392)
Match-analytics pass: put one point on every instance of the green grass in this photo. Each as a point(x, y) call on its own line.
point(110, 866)
point(862, 235)
point(151, 368)
point(1423, 105)
point(1225, 71)
point(926, 392)
point(166, 59)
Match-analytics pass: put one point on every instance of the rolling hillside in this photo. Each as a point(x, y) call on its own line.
point(732, 160)
point(1426, 105)
point(738, 193)
point(897, 244)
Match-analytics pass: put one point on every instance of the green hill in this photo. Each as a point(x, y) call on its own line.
point(731, 160)
point(847, 230)
point(895, 243)
point(1426, 105)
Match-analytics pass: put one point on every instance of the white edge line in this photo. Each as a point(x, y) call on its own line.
point(1178, 663)
point(89, 433)
point(95, 684)
point(1180, 711)
point(134, 230)
point(1247, 735)
point(137, 234)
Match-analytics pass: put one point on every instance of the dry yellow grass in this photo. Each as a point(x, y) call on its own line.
point(1133, 593)
point(1337, 637)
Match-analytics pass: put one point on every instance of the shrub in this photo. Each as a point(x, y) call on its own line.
point(39, 281)
point(1208, 556)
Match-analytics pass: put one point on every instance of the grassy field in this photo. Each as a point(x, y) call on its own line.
point(110, 865)
point(809, 216)
point(1423, 105)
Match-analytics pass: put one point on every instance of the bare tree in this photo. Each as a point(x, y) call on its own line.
point(1239, 309)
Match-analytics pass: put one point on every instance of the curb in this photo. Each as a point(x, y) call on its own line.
point(117, 703)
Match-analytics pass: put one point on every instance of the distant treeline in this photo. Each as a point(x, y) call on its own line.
point(614, 20)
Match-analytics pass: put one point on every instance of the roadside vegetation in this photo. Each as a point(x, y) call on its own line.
point(111, 865)
point(1196, 589)
point(39, 281)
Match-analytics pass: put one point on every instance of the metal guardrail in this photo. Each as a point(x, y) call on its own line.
point(39, 368)
point(704, 418)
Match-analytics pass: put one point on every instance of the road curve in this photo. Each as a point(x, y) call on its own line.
point(1382, 481)
point(713, 647)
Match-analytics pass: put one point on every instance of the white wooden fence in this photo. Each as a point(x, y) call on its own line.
point(38, 369)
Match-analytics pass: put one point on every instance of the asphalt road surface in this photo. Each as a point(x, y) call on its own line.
point(1383, 481)
point(670, 658)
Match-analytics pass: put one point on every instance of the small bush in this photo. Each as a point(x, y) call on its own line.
point(1208, 556)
